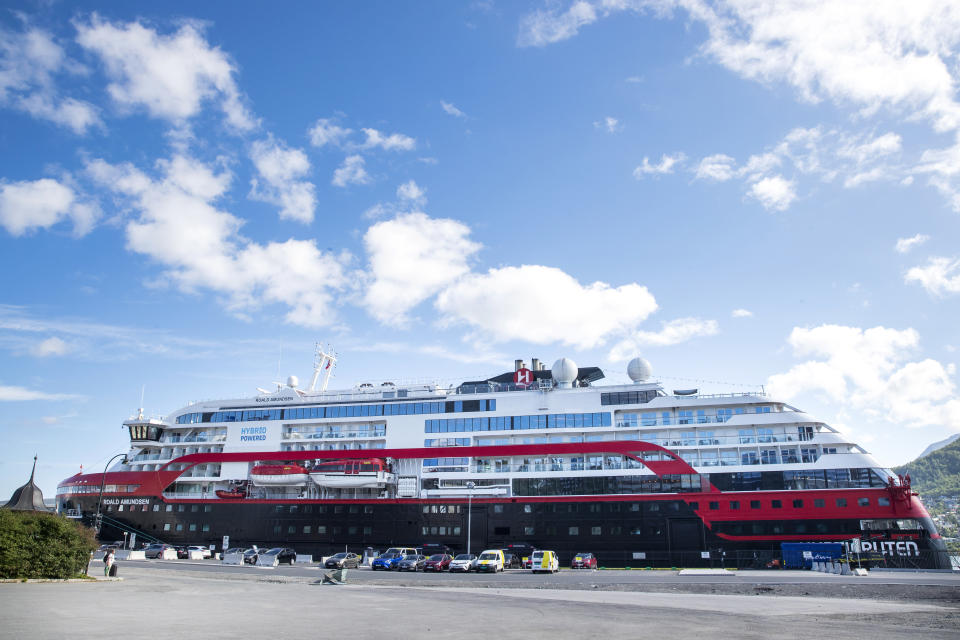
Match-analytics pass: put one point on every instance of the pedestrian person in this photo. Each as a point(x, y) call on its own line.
point(108, 561)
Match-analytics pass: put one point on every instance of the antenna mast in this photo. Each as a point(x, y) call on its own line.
point(323, 362)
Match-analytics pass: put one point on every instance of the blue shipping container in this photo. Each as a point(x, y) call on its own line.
point(793, 553)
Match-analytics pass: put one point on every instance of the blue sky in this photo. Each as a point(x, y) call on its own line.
point(746, 193)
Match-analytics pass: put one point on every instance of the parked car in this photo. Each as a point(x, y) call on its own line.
point(438, 562)
point(181, 552)
point(112, 547)
point(511, 561)
point(250, 556)
point(464, 562)
point(282, 555)
point(544, 562)
point(413, 562)
point(584, 561)
point(156, 550)
point(343, 560)
point(203, 549)
point(490, 560)
point(390, 559)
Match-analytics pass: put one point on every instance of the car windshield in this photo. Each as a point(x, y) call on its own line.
point(410, 557)
point(272, 552)
point(465, 556)
point(488, 556)
point(391, 552)
point(340, 555)
point(438, 557)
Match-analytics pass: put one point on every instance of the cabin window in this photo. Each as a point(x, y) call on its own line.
point(573, 531)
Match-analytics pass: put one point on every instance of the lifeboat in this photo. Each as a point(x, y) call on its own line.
point(234, 494)
point(279, 475)
point(372, 473)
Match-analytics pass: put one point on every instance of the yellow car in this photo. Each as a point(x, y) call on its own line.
point(491, 560)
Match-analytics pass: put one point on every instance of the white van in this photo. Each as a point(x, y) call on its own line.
point(544, 561)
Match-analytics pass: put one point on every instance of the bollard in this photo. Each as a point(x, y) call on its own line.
point(845, 569)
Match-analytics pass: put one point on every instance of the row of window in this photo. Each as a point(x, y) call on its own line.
point(607, 485)
point(191, 527)
point(439, 531)
point(339, 411)
point(684, 416)
point(322, 530)
point(803, 479)
point(95, 488)
point(818, 503)
point(446, 442)
point(628, 397)
point(515, 423)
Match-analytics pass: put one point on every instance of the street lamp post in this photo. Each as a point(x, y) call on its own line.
point(470, 486)
point(103, 479)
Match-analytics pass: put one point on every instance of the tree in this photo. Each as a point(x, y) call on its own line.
point(42, 545)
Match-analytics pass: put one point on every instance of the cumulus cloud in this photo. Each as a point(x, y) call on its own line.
point(939, 276)
point(325, 132)
point(666, 165)
point(870, 370)
point(450, 109)
point(541, 305)
point(774, 193)
point(199, 245)
point(411, 192)
point(351, 171)
point(40, 204)
point(544, 27)
point(392, 142)
point(906, 244)
point(672, 332)
point(412, 257)
point(52, 346)
point(170, 76)
point(719, 167)
point(741, 313)
point(281, 170)
point(29, 63)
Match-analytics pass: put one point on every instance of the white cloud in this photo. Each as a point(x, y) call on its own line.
point(21, 394)
point(40, 204)
point(170, 76)
point(325, 132)
point(29, 61)
point(666, 165)
point(672, 332)
point(452, 110)
point(544, 27)
point(906, 244)
point(719, 167)
point(634, 79)
point(392, 142)
point(200, 247)
point(612, 125)
point(869, 370)
point(774, 193)
point(940, 276)
point(741, 313)
point(541, 305)
point(52, 346)
point(281, 169)
point(350, 172)
point(864, 152)
point(410, 191)
point(412, 257)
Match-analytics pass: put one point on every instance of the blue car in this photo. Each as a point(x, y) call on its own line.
point(390, 559)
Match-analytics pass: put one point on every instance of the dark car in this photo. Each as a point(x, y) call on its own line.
point(182, 553)
point(412, 563)
point(511, 560)
point(343, 560)
point(438, 562)
point(584, 561)
point(156, 550)
point(250, 556)
point(282, 554)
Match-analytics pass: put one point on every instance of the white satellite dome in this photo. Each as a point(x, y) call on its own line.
point(564, 372)
point(639, 369)
point(293, 381)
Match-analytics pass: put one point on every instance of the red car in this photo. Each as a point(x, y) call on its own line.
point(584, 561)
point(438, 562)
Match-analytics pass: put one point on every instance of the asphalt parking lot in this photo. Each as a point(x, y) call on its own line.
point(181, 599)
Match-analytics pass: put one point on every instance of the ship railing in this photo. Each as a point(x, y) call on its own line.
point(726, 441)
point(299, 435)
point(508, 387)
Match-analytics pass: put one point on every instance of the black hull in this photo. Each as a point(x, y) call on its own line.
point(622, 534)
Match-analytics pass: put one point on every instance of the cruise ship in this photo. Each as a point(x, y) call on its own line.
point(638, 474)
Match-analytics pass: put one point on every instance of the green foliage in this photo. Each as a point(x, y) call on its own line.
point(42, 545)
point(936, 474)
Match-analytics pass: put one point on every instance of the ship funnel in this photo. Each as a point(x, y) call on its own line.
point(535, 364)
point(519, 364)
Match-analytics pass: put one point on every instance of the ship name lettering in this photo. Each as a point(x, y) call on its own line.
point(903, 548)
